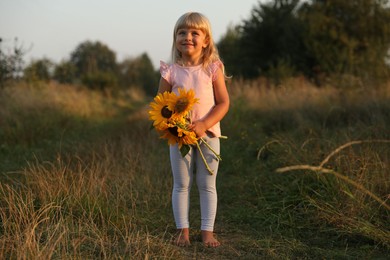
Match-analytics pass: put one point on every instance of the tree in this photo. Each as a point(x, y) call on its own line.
point(39, 70)
point(348, 37)
point(11, 62)
point(95, 65)
point(139, 72)
point(65, 72)
point(229, 50)
point(272, 38)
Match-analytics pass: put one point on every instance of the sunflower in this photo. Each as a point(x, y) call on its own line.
point(177, 131)
point(180, 136)
point(160, 112)
point(182, 104)
point(170, 114)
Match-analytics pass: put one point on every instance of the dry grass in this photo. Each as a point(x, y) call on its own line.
point(291, 94)
point(320, 169)
point(296, 93)
point(340, 134)
point(107, 193)
point(84, 204)
point(89, 205)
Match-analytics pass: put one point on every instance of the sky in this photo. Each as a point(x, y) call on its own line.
point(54, 28)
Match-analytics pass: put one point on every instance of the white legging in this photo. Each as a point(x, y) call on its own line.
point(183, 171)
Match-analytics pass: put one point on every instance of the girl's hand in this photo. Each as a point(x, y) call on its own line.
point(199, 127)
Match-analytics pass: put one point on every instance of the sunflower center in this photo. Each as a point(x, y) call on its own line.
point(181, 105)
point(165, 112)
point(173, 130)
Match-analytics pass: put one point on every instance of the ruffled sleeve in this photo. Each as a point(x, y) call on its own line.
point(214, 67)
point(165, 71)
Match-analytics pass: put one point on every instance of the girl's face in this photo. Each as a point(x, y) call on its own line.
point(190, 42)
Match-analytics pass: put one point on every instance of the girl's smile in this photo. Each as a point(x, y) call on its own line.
point(190, 43)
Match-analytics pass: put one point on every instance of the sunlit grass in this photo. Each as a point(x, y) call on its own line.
point(83, 176)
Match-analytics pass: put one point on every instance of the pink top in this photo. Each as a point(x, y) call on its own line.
point(198, 79)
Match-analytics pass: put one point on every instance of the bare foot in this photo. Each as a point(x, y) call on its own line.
point(209, 240)
point(182, 238)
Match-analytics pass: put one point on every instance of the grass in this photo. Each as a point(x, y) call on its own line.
point(83, 177)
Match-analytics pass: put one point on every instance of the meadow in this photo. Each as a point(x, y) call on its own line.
point(305, 175)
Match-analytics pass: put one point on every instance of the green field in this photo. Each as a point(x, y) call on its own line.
point(83, 177)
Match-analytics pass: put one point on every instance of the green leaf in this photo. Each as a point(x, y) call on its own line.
point(184, 150)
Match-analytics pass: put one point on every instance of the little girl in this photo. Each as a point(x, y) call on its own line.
point(196, 65)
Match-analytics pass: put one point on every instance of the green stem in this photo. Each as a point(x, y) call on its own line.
point(211, 149)
point(204, 159)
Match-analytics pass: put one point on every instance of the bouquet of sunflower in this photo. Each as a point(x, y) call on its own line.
point(171, 115)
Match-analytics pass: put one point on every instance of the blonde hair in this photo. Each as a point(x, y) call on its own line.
point(200, 22)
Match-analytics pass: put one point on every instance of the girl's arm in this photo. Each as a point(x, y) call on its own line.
point(164, 86)
point(220, 109)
